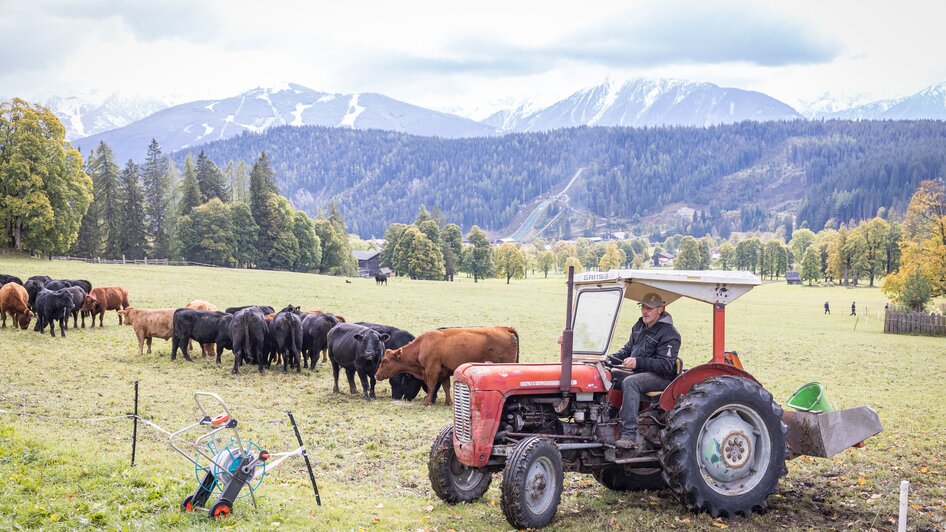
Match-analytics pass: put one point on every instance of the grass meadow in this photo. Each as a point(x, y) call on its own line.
point(370, 458)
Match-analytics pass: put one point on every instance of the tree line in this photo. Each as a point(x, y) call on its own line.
point(844, 170)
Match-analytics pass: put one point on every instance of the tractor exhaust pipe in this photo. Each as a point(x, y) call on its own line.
point(568, 336)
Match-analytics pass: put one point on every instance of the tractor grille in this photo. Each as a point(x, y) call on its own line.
point(462, 422)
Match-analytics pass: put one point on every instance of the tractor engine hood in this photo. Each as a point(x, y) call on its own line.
point(531, 378)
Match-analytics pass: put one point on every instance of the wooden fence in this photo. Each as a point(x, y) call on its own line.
point(154, 262)
point(915, 323)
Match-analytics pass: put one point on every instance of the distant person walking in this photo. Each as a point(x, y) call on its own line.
point(853, 309)
point(827, 308)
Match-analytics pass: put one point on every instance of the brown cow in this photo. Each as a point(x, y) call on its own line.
point(105, 298)
point(149, 323)
point(207, 350)
point(434, 355)
point(15, 300)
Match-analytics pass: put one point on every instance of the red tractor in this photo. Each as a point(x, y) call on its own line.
point(714, 436)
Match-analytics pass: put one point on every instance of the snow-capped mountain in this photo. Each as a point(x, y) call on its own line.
point(929, 103)
point(87, 115)
point(647, 102)
point(195, 123)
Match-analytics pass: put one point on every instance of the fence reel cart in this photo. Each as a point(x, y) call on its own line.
point(227, 467)
point(715, 437)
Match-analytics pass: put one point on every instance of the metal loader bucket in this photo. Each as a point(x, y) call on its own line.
point(826, 434)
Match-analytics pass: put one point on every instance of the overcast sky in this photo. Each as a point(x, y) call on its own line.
point(466, 56)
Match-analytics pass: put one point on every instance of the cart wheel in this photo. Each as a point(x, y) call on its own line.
point(187, 505)
point(221, 509)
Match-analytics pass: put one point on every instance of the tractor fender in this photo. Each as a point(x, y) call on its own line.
point(681, 385)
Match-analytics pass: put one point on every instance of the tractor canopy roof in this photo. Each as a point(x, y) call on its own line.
point(709, 286)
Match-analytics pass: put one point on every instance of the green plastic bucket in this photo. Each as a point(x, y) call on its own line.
point(810, 398)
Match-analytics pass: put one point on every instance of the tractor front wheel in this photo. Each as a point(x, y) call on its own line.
point(532, 483)
point(724, 447)
point(452, 481)
point(621, 478)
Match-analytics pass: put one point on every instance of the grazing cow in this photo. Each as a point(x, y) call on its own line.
point(78, 297)
point(105, 298)
point(15, 300)
point(403, 385)
point(4, 279)
point(357, 349)
point(81, 283)
point(315, 328)
point(286, 332)
point(148, 324)
point(248, 331)
point(57, 284)
point(380, 278)
point(41, 278)
point(203, 327)
point(434, 355)
point(33, 287)
point(207, 350)
point(265, 309)
point(50, 307)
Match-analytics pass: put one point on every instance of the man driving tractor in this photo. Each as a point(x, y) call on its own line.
point(650, 355)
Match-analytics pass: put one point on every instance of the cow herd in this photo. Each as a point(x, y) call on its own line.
point(258, 335)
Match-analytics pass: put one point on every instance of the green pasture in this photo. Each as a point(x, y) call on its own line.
point(370, 458)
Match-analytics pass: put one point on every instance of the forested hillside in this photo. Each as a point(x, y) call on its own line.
point(741, 176)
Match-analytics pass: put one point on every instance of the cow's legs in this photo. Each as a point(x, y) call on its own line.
point(141, 342)
point(149, 345)
point(175, 343)
point(324, 356)
point(363, 377)
point(448, 398)
point(373, 381)
point(432, 379)
point(350, 373)
point(335, 369)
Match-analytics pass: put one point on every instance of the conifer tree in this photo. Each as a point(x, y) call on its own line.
point(262, 189)
point(133, 236)
point(210, 179)
point(191, 197)
point(108, 199)
point(89, 242)
point(452, 244)
point(810, 265)
point(154, 174)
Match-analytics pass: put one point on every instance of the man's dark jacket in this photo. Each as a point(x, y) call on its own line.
point(655, 348)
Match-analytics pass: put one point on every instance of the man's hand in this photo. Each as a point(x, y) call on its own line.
point(630, 363)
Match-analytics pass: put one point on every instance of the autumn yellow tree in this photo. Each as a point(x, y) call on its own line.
point(923, 246)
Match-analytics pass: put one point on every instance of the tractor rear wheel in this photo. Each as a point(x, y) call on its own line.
point(452, 481)
point(724, 447)
point(532, 483)
point(621, 478)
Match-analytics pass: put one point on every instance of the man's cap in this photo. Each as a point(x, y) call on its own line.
point(652, 300)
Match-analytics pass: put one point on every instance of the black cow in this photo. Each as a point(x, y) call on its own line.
point(315, 328)
point(33, 287)
point(286, 334)
point(57, 284)
point(248, 332)
point(265, 309)
point(403, 385)
point(357, 349)
point(81, 283)
point(78, 296)
point(41, 278)
point(4, 279)
point(52, 306)
point(203, 327)
point(380, 278)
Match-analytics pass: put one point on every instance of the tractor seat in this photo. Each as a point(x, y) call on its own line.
point(655, 396)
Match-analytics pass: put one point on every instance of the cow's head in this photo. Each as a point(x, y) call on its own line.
point(390, 364)
point(126, 314)
point(25, 319)
point(90, 303)
point(370, 346)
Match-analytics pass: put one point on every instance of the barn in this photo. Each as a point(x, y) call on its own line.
point(368, 262)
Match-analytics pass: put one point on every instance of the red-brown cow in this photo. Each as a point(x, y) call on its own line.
point(15, 300)
point(200, 304)
point(434, 355)
point(149, 323)
point(105, 298)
